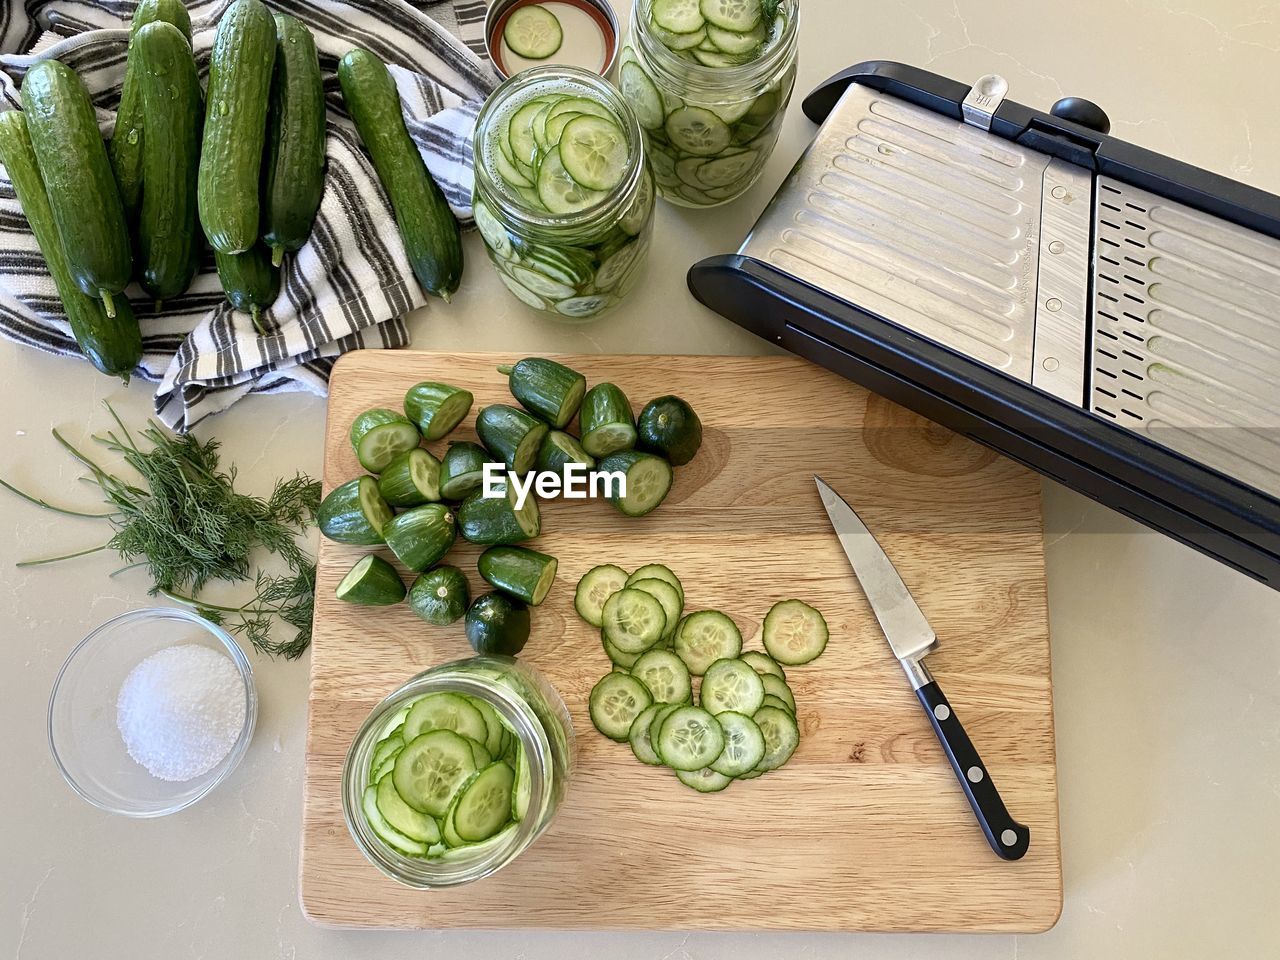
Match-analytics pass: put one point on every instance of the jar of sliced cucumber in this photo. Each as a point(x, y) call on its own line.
point(709, 81)
point(563, 195)
point(457, 772)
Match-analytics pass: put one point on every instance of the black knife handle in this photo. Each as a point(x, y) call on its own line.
point(1008, 838)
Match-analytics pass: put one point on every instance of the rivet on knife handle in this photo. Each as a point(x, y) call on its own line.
point(1008, 838)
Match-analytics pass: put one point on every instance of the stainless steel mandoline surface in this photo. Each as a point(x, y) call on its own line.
point(992, 249)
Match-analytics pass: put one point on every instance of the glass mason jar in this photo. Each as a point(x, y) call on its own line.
point(534, 735)
point(710, 99)
point(563, 196)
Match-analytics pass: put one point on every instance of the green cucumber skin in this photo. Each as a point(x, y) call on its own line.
point(623, 461)
point(382, 586)
point(502, 429)
point(490, 520)
point(497, 624)
point(249, 280)
point(426, 601)
point(604, 405)
point(553, 458)
point(669, 427)
point(421, 536)
point(341, 519)
point(112, 344)
point(373, 417)
point(542, 386)
point(235, 126)
point(125, 149)
point(169, 237)
point(396, 485)
point(293, 170)
point(422, 402)
point(78, 179)
point(463, 457)
point(432, 237)
point(514, 570)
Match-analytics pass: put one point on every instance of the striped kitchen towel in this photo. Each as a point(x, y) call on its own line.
point(350, 285)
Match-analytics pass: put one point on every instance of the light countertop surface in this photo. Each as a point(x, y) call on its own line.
point(1166, 665)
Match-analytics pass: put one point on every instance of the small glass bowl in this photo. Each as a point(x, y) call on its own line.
point(83, 736)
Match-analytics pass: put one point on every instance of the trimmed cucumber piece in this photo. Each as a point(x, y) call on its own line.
point(533, 32)
point(633, 621)
point(430, 769)
point(705, 637)
point(640, 92)
point(697, 131)
point(606, 421)
point(436, 407)
point(744, 745)
point(421, 536)
point(678, 16)
point(384, 831)
point(771, 701)
point(371, 582)
point(561, 193)
point(547, 388)
point(559, 449)
point(781, 736)
point(649, 481)
point(497, 624)
point(525, 574)
point(354, 513)
point(794, 632)
point(665, 677)
point(669, 427)
point(594, 152)
point(731, 686)
point(762, 663)
point(484, 806)
point(444, 711)
point(596, 586)
point(462, 470)
point(378, 435)
point(490, 520)
point(641, 744)
point(411, 478)
point(689, 739)
point(615, 702)
point(778, 688)
point(440, 595)
point(511, 435)
point(657, 571)
point(402, 817)
point(705, 780)
point(665, 594)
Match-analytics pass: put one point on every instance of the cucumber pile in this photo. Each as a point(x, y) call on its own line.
point(707, 147)
point(447, 772)
point(416, 505)
point(744, 722)
point(558, 149)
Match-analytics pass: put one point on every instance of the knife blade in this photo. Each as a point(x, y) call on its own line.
point(911, 638)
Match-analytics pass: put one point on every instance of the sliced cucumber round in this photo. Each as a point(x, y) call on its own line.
point(560, 193)
point(665, 677)
point(736, 42)
point(705, 637)
point(384, 831)
point(657, 571)
point(779, 688)
point(594, 152)
point(445, 711)
point(431, 768)
point(523, 293)
point(533, 32)
point(781, 736)
point(744, 745)
point(640, 92)
point(794, 632)
point(728, 169)
point(401, 816)
point(762, 663)
point(495, 234)
point(736, 15)
point(689, 739)
point(731, 686)
point(705, 780)
point(678, 16)
point(665, 594)
point(616, 701)
point(634, 220)
point(633, 620)
point(596, 586)
point(579, 308)
point(484, 806)
point(616, 268)
point(771, 701)
point(618, 657)
point(697, 131)
point(641, 744)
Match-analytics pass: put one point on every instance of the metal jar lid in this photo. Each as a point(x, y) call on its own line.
point(599, 10)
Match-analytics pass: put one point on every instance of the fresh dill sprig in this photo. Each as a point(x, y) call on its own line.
point(186, 523)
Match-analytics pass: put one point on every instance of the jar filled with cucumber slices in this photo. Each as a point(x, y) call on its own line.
point(709, 81)
point(456, 773)
point(563, 195)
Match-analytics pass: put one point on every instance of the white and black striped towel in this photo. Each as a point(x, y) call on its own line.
point(350, 285)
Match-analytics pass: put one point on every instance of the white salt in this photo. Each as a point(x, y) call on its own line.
point(181, 710)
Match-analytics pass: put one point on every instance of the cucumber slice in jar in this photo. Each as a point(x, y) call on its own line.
point(560, 193)
point(689, 739)
point(705, 780)
point(436, 408)
point(594, 152)
point(431, 768)
point(665, 594)
point(649, 481)
point(665, 676)
point(402, 817)
point(493, 742)
point(616, 701)
point(731, 686)
point(533, 32)
point(569, 265)
point(679, 41)
point(444, 711)
point(411, 479)
point(511, 173)
point(371, 582)
point(484, 805)
point(744, 745)
point(705, 637)
point(794, 632)
point(697, 131)
point(495, 234)
point(637, 216)
point(734, 42)
point(616, 268)
point(633, 620)
point(480, 754)
point(720, 61)
point(524, 148)
point(462, 469)
point(378, 435)
point(522, 293)
point(521, 792)
point(736, 15)
point(354, 512)
point(581, 308)
point(556, 123)
point(440, 595)
point(596, 586)
point(387, 747)
point(678, 16)
point(540, 128)
point(541, 284)
point(725, 170)
point(606, 420)
point(384, 831)
point(781, 737)
point(639, 91)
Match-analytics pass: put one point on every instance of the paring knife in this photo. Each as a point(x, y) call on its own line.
point(911, 638)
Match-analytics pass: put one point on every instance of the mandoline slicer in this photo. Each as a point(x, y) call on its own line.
point(1103, 314)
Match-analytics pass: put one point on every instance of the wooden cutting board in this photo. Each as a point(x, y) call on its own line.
point(865, 829)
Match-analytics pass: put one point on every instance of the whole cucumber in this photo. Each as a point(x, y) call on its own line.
point(112, 344)
point(293, 172)
point(235, 125)
point(249, 280)
point(125, 149)
point(169, 238)
point(432, 238)
point(78, 180)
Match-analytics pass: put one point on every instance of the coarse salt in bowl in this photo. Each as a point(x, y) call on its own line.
point(151, 711)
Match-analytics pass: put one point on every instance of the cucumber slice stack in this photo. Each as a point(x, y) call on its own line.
point(448, 773)
point(707, 148)
point(743, 723)
point(560, 154)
